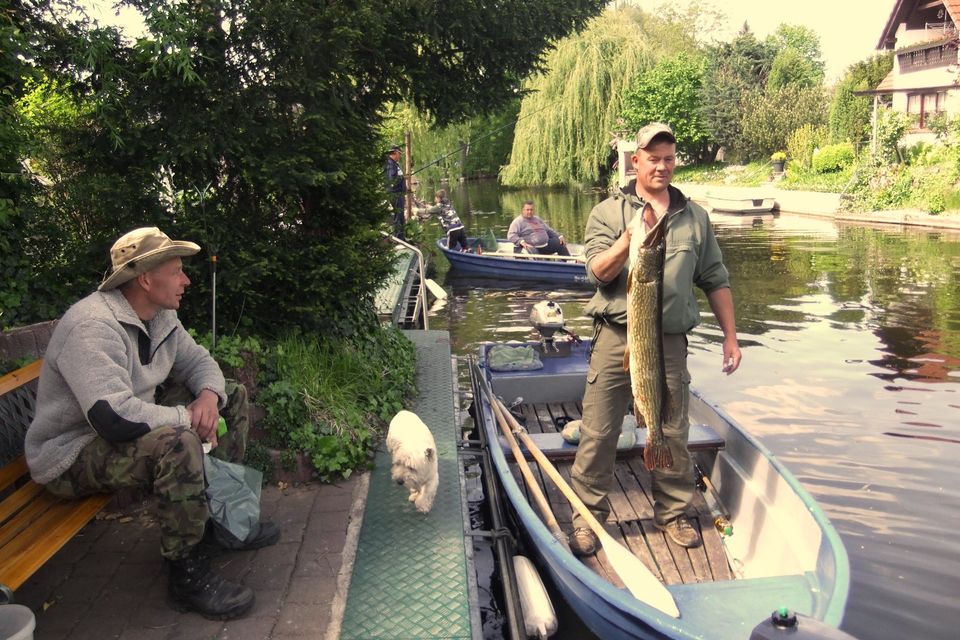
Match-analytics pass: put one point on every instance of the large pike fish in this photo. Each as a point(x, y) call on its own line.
point(644, 354)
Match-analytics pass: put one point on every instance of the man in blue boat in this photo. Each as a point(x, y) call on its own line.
point(397, 188)
point(528, 232)
point(692, 259)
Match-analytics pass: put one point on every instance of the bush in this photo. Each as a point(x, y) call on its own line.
point(331, 401)
point(833, 157)
point(802, 143)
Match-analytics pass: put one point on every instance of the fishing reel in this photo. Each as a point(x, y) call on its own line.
point(547, 318)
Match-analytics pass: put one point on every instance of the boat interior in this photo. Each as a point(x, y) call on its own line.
point(631, 516)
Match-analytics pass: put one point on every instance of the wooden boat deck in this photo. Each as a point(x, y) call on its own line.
point(631, 517)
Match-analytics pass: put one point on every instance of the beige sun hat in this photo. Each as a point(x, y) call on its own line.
point(141, 250)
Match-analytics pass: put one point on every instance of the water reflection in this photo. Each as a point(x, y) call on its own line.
point(851, 375)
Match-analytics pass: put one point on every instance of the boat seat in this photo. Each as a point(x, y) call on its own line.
point(702, 438)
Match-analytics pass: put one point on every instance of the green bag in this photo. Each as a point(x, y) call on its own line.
point(489, 241)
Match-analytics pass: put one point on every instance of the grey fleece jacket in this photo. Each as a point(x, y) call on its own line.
point(100, 376)
point(693, 258)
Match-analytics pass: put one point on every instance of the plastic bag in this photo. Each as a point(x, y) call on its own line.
point(501, 357)
point(233, 495)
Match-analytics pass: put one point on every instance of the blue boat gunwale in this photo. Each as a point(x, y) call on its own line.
point(642, 614)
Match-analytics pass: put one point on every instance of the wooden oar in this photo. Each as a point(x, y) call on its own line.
point(540, 499)
point(638, 579)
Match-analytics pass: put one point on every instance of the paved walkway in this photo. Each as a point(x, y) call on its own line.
point(825, 205)
point(110, 582)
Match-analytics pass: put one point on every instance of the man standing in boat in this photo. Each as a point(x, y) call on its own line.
point(692, 259)
point(530, 233)
point(397, 188)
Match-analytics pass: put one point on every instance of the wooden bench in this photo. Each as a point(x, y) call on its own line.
point(34, 524)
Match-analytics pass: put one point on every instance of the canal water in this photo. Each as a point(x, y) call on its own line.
point(851, 376)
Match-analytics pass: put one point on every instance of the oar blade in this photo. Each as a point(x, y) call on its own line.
point(638, 579)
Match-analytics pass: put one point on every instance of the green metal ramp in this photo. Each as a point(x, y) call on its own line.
point(410, 574)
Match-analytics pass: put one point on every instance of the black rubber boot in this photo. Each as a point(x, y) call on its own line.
point(195, 586)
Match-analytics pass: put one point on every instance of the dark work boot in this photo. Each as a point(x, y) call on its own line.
point(265, 534)
point(195, 586)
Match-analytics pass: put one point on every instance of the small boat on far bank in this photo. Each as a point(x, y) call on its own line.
point(498, 260)
point(741, 202)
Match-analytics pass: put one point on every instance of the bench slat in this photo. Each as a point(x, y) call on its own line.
point(13, 472)
point(25, 518)
point(20, 377)
point(47, 535)
point(18, 499)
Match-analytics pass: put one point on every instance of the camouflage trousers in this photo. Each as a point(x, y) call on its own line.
point(167, 462)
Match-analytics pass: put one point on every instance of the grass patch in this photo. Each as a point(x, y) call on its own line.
point(720, 173)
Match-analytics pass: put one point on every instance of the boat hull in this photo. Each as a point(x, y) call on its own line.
point(522, 267)
point(813, 581)
point(742, 205)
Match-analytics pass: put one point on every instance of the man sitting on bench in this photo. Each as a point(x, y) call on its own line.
point(528, 232)
point(101, 424)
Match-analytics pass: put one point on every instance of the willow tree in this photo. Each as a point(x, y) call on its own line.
point(571, 108)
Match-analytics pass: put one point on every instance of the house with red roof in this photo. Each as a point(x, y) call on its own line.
point(924, 78)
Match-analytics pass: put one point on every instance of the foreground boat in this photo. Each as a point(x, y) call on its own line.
point(502, 262)
point(741, 203)
point(783, 551)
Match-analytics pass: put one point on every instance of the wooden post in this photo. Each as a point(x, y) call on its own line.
point(407, 200)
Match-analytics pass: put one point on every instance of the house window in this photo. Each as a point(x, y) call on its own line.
point(941, 55)
point(925, 105)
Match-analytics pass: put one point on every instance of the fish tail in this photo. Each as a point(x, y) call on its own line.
point(656, 455)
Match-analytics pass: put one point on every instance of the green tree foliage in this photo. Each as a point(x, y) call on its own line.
point(480, 144)
point(799, 60)
point(735, 77)
point(850, 115)
point(671, 92)
point(770, 117)
point(251, 126)
point(571, 108)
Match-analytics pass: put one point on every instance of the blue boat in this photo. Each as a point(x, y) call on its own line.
point(783, 553)
point(502, 263)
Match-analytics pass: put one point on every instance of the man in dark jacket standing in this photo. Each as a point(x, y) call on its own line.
point(693, 261)
point(100, 425)
point(397, 187)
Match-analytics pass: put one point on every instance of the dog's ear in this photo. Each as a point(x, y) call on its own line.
point(428, 454)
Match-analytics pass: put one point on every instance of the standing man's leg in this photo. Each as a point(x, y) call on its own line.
point(399, 222)
point(605, 399)
point(673, 488)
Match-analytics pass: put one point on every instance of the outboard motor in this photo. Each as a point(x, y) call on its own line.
point(784, 623)
point(547, 318)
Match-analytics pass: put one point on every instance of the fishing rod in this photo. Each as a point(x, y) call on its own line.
point(469, 142)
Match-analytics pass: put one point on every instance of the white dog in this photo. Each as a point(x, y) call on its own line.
point(414, 454)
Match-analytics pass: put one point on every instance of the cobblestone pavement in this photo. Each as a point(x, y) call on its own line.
point(110, 581)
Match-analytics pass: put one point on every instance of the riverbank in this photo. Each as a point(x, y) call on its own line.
point(825, 205)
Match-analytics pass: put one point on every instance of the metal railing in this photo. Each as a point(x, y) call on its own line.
point(421, 267)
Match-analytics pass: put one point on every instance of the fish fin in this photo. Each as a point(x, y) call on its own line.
point(629, 280)
point(626, 359)
point(656, 455)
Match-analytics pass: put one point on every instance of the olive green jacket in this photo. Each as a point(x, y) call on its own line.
point(693, 258)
